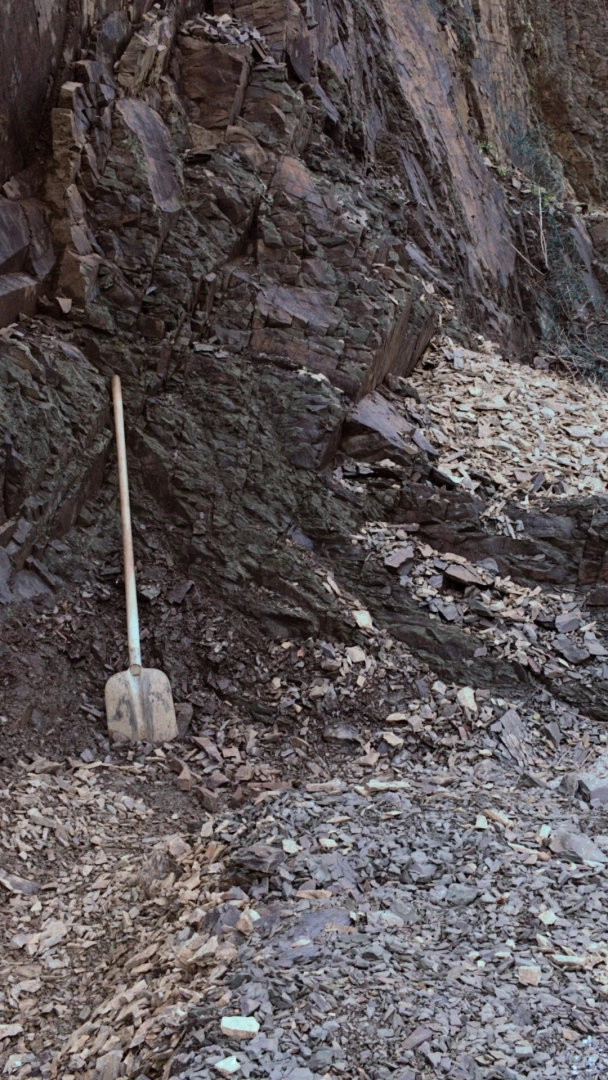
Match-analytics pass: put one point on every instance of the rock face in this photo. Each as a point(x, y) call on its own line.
point(257, 214)
point(491, 70)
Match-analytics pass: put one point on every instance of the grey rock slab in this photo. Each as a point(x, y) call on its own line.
point(570, 652)
point(567, 623)
point(158, 152)
point(14, 236)
point(461, 895)
point(341, 732)
point(18, 295)
point(578, 848)
point(26, 585)
point(376, 414)
point(593, 782)
point(6, 570)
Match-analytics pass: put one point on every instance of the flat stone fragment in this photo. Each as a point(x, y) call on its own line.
point(463, 575)
point(363, 620)
point(529, 975)
point(240, 1027)
point(228, 1066)
point(466, 698)
point(461, 895)
point(577, 848)
point(158, 152)
point(291, 847)
point(18, 885)
point(378, 415)
point(387, 785)
point(570, 652)
point(423, 444)
point(569, 960)
point(8, 1031)
point(18, 296)
point(14, 236)
point(399, 556)
point(417, 1037)
point(356, 654)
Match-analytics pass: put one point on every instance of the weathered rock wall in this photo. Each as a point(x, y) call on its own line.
point(399, 86)
point(28, 28)
point(256, 214)
point(564, 51)
point(39, 40)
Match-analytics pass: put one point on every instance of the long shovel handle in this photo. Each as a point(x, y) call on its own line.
point(127, 535)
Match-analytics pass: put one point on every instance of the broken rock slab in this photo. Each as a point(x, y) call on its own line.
point(214, 79)
point(14, 237)
point(78, 276)
point(6, 570)
point(374, 429)
point(307, 307)
point(577, 848)
point(593, 783)
point(158, 152)
point(18, 296)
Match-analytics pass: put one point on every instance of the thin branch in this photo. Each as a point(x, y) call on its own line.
point(518, 252)
point(543, 242)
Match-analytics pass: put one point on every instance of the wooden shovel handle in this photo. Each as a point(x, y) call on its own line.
point(127, 535)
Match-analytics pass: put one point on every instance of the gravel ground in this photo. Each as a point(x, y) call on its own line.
point(424, 931)
point(393, 900)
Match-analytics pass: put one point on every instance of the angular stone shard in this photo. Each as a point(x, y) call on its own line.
point(18, 295)
point(158, 152)
point(310, 308)
point(374, 428)
point(214, 78)
point(240, 1027)
point(14, 237)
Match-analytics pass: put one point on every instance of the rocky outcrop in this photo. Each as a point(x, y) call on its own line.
point(258, 214)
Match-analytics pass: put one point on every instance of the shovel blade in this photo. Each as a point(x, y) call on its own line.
point(141, 706)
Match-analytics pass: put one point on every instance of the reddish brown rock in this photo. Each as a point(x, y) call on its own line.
point(214, 78)
point(18, 295)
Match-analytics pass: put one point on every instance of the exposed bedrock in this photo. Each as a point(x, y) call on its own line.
point(259, 213)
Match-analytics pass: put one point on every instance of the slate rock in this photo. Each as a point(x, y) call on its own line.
point(461, 895)
point(26, 585)
point(418, 1036)
point(14, 236)
point(341, 733)
point(6, 570)
point(571, 652)
point(321, 1059)
point(18, 295)
point(259, 858)
point(577, 848)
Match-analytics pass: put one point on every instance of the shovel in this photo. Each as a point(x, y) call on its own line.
point(139, 703)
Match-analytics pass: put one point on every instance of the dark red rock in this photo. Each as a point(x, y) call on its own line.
point(18, 295)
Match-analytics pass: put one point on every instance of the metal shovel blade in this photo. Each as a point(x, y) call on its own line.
point(141, 706)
